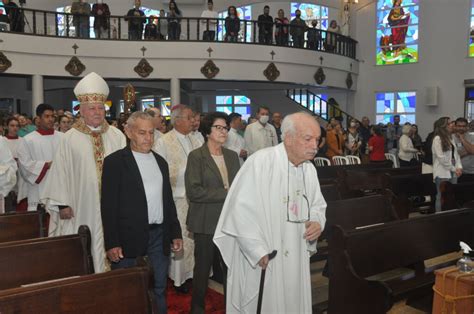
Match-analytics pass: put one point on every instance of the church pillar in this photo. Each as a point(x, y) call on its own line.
point(175, 91)
point(37, 92)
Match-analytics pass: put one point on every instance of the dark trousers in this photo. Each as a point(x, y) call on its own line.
point(158, 261)
point(208, 35)
point(466, 177)
point(174, 31)
point(204, 253)
point(135, 34)
point(298, 41)
point(265, 38)
point(281, 40)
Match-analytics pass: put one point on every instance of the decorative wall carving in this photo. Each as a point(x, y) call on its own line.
point(271, 72)
point(210, 70)
point(75, 67)
point(5, 63)
point(143, 68)
point(319, 76)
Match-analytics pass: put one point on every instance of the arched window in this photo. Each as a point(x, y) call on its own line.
point(471, 32)
point(397, 31)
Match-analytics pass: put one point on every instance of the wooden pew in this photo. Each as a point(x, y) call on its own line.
point(415, 185)
point(330, 192)
point(356, 183)
point(121, 291)
point(456, 195)
point(35, 260)
point(358, 255)
point(20, 226)
point(329, 174)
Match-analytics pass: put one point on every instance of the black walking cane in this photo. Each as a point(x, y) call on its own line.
point(262, 282)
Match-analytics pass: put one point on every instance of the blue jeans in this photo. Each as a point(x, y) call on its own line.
point(438, 181)
point(158, 261)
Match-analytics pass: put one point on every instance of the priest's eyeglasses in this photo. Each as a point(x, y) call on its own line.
point(296, 220)
point(221, 128)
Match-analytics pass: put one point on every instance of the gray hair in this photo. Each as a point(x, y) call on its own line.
point(288, 126)
point(152, 111)
point(177, 112)
point(135, 116)
point(406, 129)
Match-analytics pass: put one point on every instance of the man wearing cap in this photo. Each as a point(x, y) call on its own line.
point(74, 182)
point(175, 147)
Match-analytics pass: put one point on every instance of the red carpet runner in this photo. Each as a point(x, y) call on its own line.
point(181, 303)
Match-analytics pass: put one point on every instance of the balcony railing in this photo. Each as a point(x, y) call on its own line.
point(67, 25)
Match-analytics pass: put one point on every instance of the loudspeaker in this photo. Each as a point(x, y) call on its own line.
point(431, 96)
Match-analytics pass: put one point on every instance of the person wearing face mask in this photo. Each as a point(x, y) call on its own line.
point(353, 141)
point(101, 13)
point(260, 134)
point(297, 29)
point(136, 19)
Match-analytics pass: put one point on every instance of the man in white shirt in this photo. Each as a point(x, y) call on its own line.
point(209, 22)
point(260, 134)
point(35, 155)
point(155, 113)
point(175, 147)
point(8, 169)
point(140, 221)
point(235, 141)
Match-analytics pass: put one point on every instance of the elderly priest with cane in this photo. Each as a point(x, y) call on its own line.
point(274, 204)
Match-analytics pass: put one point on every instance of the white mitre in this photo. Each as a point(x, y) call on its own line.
point(92, 89)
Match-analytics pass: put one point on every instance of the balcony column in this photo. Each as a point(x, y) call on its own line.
point(37, 92)
point(175, 91)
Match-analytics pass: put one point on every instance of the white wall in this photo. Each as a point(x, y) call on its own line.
point(443, 62)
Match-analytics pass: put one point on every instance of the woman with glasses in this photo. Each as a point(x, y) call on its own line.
point(209, 173)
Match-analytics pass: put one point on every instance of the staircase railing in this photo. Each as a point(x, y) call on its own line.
point(318, 105)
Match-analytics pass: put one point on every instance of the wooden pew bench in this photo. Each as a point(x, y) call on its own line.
point(36, 260)
point(456, 195)
point(120, 291)
point(21, 226)
point(330, 192)
point(329, 174)
point(413, 186)
point(359, 256)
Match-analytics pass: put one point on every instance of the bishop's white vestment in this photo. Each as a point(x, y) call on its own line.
point(265, 210)
point(74, 181)
point(175, 147)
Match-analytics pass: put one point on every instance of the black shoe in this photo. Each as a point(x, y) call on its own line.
point(183, 289)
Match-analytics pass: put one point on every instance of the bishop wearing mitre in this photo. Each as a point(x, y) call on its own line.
point(74, 183)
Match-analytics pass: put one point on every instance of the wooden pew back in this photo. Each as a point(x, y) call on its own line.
point(21, 226)
point(330, 192)
point(120, 291)
point(456, 195)
point(329, 174)
point(358, 254)
point(36, 260)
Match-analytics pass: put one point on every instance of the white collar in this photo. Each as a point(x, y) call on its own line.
point(94, 129)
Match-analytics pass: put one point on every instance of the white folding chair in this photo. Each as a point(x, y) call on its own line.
point(321, 162)
point(340, 160)
point(353, 160)
point(393, 158)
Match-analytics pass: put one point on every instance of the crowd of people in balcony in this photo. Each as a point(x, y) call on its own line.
point(167, 25)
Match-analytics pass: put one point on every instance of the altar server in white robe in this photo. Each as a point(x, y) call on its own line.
point(8, 170)
point(235, 141)
point(35, 154)
point(175, 147)
point(275, 203)
point(75, 178)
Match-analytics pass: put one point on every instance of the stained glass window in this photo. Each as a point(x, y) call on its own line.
point(166, 107)
point(397, 31)
point(395, 103)
point(238, 103)
point(471, 32)
point(310, 12)
point(244, 13)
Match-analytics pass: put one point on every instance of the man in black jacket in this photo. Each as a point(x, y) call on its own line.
point(138, 212)
point(265, 27)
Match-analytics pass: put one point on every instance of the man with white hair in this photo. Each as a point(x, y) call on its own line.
point(260, 216)
point(74, 182)
point(175, 147)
